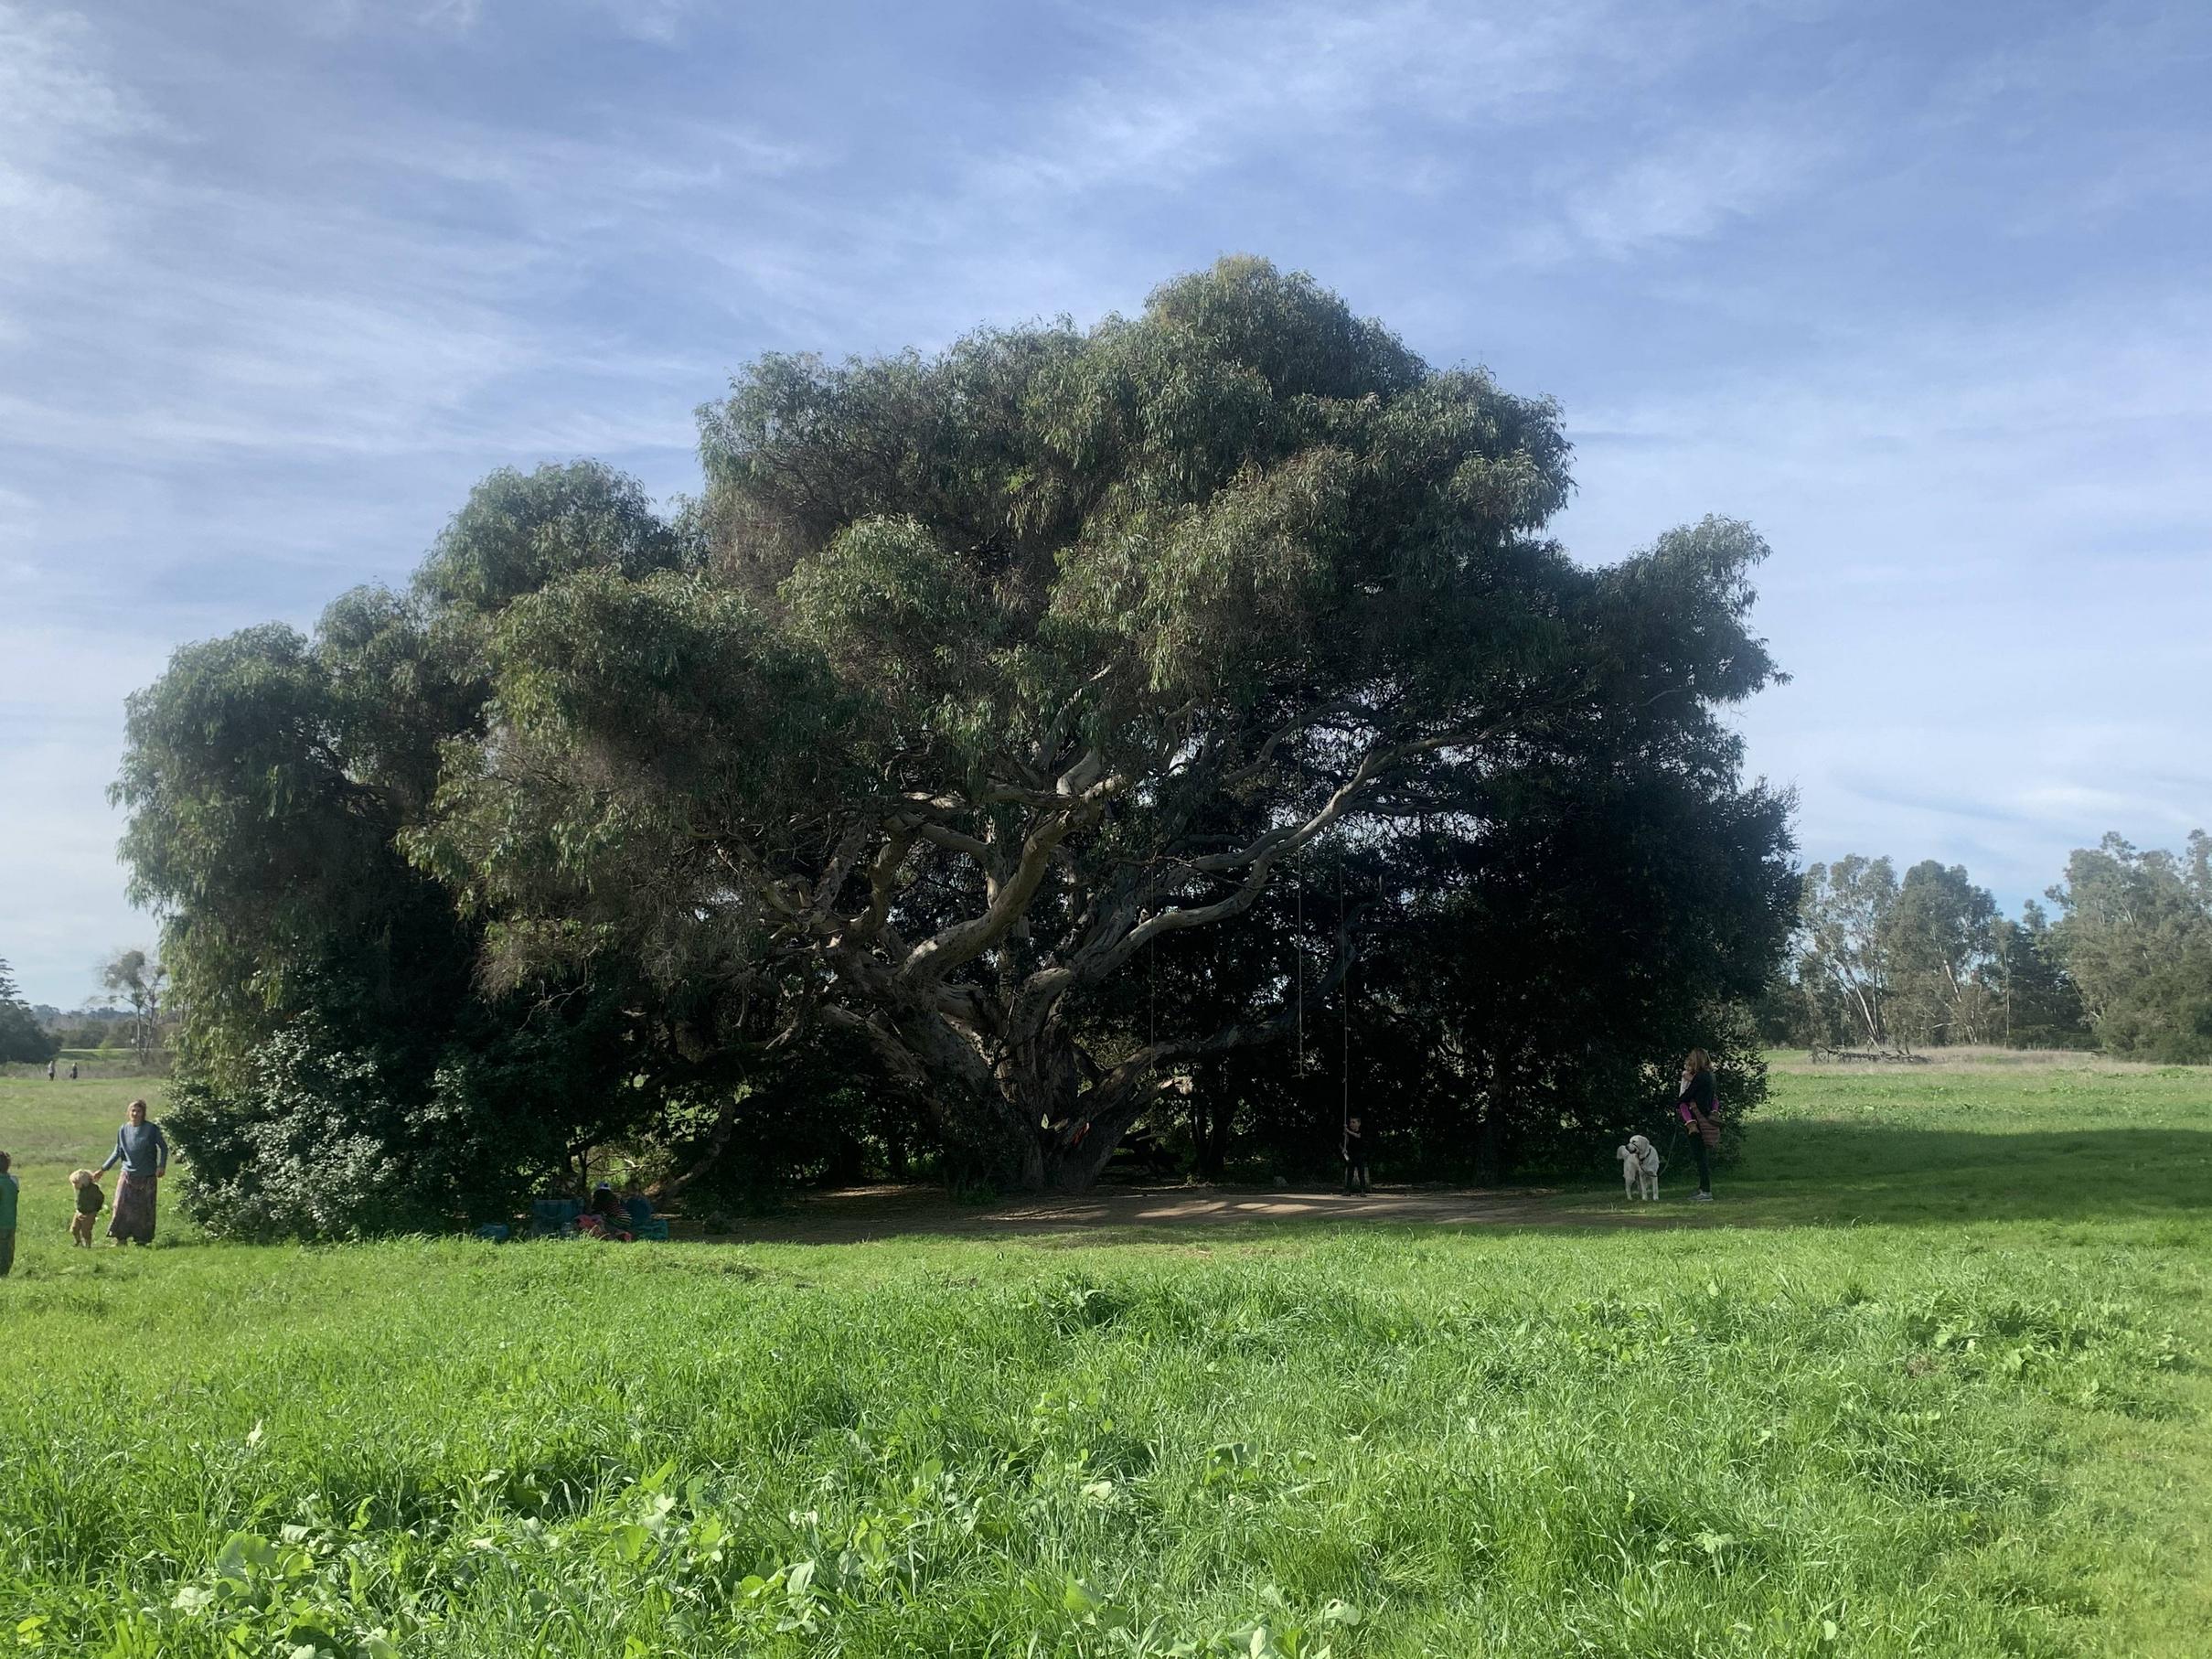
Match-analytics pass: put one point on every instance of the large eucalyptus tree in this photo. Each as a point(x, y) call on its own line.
point(988, 673)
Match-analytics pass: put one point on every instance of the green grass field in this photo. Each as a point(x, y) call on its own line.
point(1928, 1379)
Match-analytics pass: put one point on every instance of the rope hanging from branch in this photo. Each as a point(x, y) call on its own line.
point(1344, 1057)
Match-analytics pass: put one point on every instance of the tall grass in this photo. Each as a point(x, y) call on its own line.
point(1928, 1437)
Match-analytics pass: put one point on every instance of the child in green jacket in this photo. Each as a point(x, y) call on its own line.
point(8, 1195)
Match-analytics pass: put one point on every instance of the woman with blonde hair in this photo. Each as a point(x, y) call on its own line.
point(1699, 1106)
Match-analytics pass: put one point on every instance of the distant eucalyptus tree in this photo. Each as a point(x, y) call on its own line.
point(138, 980)
point(1942, 957)
point(2134, 934)
point(1845, 930)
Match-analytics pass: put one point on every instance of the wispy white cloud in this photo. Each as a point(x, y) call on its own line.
point(62, 119)
point(2075, 52)
point(353, 323)
point(1412, 101)
point(662, 22)
point(1991, 541)
point(1171, 100)
point(1690, 185)
point(639, 164)
point(659, 22)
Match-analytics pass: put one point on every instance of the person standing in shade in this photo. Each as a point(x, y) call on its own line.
point(1355, 1157)
point(1698, 1104)
point(72, 1071)
point(50, 1071)
point(9, 1193)
point(143, 1152)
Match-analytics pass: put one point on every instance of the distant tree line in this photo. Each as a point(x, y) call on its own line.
point(1929, 961)
point(1162, 736)
point(130, 976)
point(22, 1036)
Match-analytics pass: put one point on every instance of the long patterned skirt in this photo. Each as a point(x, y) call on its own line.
point(134, 1215)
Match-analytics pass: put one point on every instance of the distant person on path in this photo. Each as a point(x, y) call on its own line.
point(1699, 1106)
point(1355, 1157)
point(9, 1192)
point(72, 1071)
point(50, 1071)
point(143, 1152)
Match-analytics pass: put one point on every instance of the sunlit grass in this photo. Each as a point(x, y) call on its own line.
point(1864, 1425)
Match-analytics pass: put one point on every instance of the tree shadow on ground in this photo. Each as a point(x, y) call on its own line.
point(1139, 1215)
point(1802, 1172)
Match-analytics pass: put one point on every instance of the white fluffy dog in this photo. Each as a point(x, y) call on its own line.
point(1639, 1161)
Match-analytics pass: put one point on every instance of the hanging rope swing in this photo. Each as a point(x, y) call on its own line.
point(1298, 950)
point(1297, 953)
point(1344, 1055)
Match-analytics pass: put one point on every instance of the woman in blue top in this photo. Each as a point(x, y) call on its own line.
point(143, 1152)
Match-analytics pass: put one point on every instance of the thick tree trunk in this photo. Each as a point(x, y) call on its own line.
point(1066, 1120)
point(1067, 1115)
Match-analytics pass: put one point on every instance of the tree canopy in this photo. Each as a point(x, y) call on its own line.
point(2135, 934)
point(1910, 962)
point(21, 1035)
point(329, 987)
point(975, 692)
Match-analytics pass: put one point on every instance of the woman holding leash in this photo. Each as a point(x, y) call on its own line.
point(1699, 1106)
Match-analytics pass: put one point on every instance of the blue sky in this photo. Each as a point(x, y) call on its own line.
point(1920, 291)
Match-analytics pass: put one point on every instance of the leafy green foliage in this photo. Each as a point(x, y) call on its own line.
point(2038, 1005)
point(332, 990)
point(2128, 967)
point(1013, 669)
point(322, 1141)
point(521, 531)
point(971, 686)
point(1943, 957)
point(138, 980)
point(1540, 1005)
point(2134, 933)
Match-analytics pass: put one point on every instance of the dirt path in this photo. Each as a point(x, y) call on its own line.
point(856, 1214)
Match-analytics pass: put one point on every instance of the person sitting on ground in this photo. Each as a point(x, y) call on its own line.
point(604, 1216)
point(8, 1193)
point(1355, 1157)
point(90, 1201)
